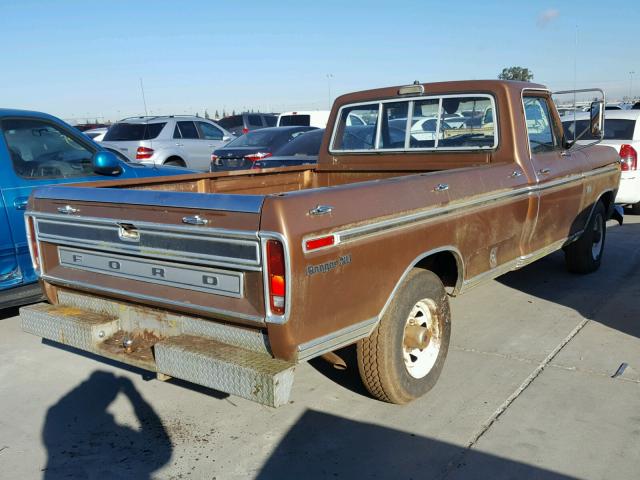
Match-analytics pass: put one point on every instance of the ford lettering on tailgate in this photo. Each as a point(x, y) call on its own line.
point(202, 279)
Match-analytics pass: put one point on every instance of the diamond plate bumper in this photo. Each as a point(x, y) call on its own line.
point(229, 359)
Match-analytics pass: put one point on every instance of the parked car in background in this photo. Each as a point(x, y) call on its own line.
point(301, 150)
point(622, 132)
point(636, 106)
point(96, 134)
point(315, 118)
point(253, 146)
point(36, 150)
point(180, 141)
point(247, 122)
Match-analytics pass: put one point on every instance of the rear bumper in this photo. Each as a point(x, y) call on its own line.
point(22, 295)
point(629, 190)
point(230, 359)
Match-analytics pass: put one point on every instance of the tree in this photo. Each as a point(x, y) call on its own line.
point(206, 114)
point(233, 112)
point(516, 73)
point(216, 115)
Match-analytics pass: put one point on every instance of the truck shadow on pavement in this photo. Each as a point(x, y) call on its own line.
point(607, 296)
point(321, 445)
point(83, 439)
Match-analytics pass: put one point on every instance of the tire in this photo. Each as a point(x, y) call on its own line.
point(388, 367)
point(175, 162)
point(585, 254)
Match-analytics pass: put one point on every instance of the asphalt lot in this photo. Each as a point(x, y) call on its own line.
point(527, 392)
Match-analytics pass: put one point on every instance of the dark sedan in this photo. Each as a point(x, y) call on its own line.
point(241, 153)
point(301, 150)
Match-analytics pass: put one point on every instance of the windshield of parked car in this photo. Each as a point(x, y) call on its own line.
point(306, 144)
point(295, 120)
point(255, 138)
point(40, 149)
point(614, 129)
point(121, 132)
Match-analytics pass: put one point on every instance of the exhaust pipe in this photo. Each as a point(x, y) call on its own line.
point(336, 361)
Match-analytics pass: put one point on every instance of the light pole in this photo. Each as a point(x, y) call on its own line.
point(329, 77)
point(631, 85)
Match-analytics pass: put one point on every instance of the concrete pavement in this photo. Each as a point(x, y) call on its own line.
point(527, 392)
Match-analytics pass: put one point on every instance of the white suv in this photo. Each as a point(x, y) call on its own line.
point(172, 140)
point(622, 132)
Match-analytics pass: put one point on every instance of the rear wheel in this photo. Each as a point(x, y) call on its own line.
point(403, 357)
point(585, 254)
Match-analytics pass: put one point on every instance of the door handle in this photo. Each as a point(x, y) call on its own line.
point(20, 203)
point(441, 187)
point(516, 174)
point(179, 144)
point(545, 171)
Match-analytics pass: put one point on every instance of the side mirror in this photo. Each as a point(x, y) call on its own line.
point(596, 116)
point(227, 138)
point(106, 163)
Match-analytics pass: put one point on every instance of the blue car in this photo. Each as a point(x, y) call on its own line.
point(37, 149)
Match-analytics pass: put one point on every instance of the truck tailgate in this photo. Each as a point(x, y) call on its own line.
point(191, 252)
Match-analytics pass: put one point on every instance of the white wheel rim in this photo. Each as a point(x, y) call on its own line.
point(598, 230)
point(420, 362)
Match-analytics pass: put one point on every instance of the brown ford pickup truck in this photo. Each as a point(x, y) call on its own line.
point(229, 280)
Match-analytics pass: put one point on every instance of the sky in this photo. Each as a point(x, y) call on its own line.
point(86, 60)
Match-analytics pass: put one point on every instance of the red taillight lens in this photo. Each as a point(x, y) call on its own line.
point(276, 275)
point(32, 242)
point(245, 130)
point(143, 153)
point(214, 158)
point(628, 158)
point(254, 157)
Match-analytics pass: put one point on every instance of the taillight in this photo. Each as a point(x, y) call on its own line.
point(245, 130)
point(276, 276)
point(628, 158)
point(143, 153)
point(214, 159)
point(32, 241)
point(254, 157)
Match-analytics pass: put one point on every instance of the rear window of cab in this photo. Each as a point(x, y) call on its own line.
point(425, 123)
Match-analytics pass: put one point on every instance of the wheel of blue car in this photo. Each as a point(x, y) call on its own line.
point(403, 357)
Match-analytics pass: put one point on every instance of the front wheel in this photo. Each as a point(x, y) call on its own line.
point(403, 357)
point(585, 254)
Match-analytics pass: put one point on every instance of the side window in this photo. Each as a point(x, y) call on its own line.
point(176, 132)
point(539, 126)
point(394, 125)
point(270, 120)
point(40, 149)
point(209, 132)
point(254, 120)
point(188, 130)
point(357, 137)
